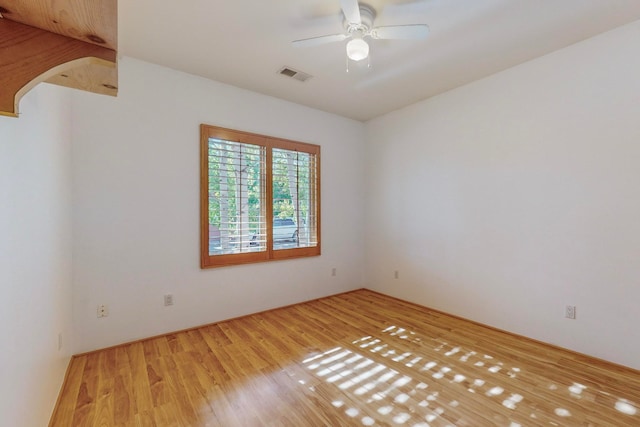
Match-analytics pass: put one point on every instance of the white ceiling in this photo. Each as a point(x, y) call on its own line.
point(246, 42)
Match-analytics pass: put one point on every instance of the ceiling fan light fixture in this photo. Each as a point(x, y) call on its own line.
point(357, 49)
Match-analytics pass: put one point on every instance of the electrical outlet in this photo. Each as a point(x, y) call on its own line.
point(103, 310)
point(396, 274)
point(333, 272)
point(168, 300)
point(570, 312)
point(60, 341)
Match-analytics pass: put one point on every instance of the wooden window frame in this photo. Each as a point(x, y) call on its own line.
point(269, 143)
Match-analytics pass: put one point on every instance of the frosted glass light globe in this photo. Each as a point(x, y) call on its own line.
point(357, 49)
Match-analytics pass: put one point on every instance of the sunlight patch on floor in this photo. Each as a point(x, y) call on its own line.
point(385, 393)
point(625, 407)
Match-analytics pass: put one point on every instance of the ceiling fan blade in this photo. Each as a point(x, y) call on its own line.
point(401, 32)
point(351, 10)
point(315, 41)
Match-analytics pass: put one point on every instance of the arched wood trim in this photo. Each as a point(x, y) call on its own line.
point(29, 56)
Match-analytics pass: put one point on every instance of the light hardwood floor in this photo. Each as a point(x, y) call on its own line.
point(356, 359)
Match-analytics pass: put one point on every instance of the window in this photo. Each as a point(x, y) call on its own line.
point(259, 197)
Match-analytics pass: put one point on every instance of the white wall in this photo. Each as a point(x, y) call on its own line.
point(509, 198)
point(35, 256)
point(136, 206)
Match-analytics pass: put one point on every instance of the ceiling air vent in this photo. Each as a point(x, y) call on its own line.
point(295, 74)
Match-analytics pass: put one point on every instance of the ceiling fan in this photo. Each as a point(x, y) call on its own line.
point(358, 24)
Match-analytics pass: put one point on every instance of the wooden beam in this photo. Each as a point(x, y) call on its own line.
point(92, 21)
point(30, 55)
point(91, 75)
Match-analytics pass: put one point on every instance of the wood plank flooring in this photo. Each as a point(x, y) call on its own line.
point(356, 359)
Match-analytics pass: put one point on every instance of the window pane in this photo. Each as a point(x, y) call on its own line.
point(236, 187)
point(294, 199)
point(259, 198)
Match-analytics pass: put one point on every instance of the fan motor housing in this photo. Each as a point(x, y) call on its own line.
point(367, 15)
